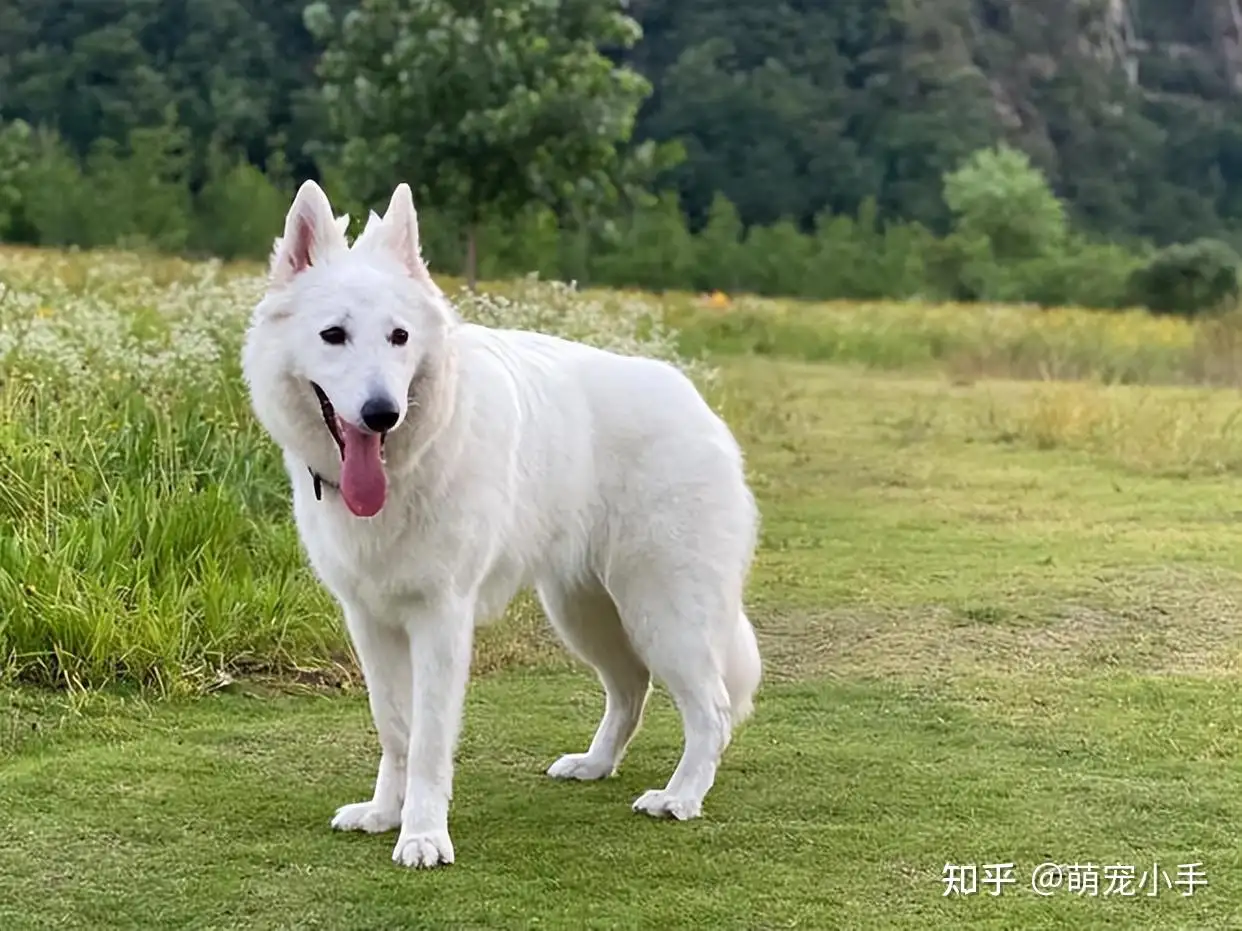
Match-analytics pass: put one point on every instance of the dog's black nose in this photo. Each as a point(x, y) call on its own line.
point(380, 414)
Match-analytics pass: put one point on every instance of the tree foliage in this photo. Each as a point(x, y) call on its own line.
point(1188, 278)
point(484, 108)
point(998, 149)
point(1000, 197)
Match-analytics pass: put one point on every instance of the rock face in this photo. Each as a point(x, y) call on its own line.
point(1169, 47)
point(1223, 21)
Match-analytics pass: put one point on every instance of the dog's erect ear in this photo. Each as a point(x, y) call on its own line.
point(311, 234)
point(398, 232)
point(371, 231)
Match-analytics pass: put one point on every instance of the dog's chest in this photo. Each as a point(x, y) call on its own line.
point(364, 561)
point(378, 565)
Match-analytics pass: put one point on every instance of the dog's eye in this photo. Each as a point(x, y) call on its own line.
point(333, 335)
point(398, 337)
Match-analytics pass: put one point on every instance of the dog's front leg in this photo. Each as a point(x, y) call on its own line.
point(384, 655)
point(440, 642)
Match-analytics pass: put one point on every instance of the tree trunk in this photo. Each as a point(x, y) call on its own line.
point(472, 256)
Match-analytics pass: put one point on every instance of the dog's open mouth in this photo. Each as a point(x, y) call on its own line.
point(364, 483)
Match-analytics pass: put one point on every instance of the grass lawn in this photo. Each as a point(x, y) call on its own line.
point(992, 635)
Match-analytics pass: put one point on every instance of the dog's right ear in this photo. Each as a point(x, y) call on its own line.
point(311, 235)
point(398, 233)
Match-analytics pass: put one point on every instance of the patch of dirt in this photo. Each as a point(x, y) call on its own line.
point(1159, 621)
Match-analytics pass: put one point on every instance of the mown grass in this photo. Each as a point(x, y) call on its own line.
point(1000, 618)
point(978, 651)
point(838, 808)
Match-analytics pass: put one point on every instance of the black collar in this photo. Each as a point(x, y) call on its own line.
point(320, 481)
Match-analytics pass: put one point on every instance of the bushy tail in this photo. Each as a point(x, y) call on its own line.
point(743, 670)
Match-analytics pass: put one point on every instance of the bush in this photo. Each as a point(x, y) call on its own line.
point(776, 259)
point(16, 151)
point(719, 249)
point(1010, 241)
point(999, 196)
point(239, 211)
point(1187, 278)
point(49, 196)
point(139, 196)
point(652, 249)
point(1085, 274)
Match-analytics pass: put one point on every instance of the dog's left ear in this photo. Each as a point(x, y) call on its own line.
point(398, 232)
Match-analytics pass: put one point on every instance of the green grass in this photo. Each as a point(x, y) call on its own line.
point(838, 808)
point(978, 651)
point(969, 340)
point(149, 538)
point(1000, 620)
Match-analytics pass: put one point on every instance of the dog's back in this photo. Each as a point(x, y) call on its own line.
point(621, 450)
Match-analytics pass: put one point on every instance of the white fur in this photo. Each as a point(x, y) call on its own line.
point(604, 481)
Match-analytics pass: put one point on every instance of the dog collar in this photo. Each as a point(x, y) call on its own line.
point(320, 481)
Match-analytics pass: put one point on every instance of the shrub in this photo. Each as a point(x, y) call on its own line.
point(16, 151)
point(718, 248)
point(239, 211)
point(652, 249)
point(1187, 278)
point(999, 196)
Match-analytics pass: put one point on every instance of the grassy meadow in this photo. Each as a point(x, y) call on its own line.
point(998, 595)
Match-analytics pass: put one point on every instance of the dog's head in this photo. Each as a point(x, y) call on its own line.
point(340, 335)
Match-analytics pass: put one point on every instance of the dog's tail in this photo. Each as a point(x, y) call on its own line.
point(743, 670)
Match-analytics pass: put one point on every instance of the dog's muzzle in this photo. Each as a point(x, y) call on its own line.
point(331, 421)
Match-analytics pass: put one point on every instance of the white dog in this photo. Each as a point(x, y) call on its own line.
point(438, 466)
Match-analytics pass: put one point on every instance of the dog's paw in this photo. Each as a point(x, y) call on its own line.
point(660, 804)
point(366, 816)
point(423, 851)
point(580, 766)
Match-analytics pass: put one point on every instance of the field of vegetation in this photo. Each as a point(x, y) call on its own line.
point(998, 595)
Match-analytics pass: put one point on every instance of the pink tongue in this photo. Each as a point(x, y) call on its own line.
point(363, 482)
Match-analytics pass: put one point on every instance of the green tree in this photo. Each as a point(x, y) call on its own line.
point(483, 108)
point(238, 211)
point(719, 248)
point(16, 149)
point(1000, 196)
point(236, 71)
point(923, 103)
point(652, 249)
point(758, 94)
point(1188, 278)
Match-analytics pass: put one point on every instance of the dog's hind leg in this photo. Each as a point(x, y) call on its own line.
point(384, 654)
point(587, 621)
point(677, 625)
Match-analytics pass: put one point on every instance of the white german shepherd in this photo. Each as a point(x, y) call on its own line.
point(438, 466)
